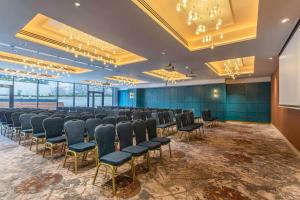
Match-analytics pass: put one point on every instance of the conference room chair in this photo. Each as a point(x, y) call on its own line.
point(74, 130)
point(125, 135)
point(106, 154)
point(87, 116)
point(90, 125)
point(109, 120)
point(100, 115)
point(191, 121)
point(208, 118)
point(140, 132)
point(38, 132)
point(9, 123)
point(16, 123)
point(26, 128)
point(58, 115)
point(152, 134)
point(54, 134)
point(181, 129)
point(3, 121)
point(71, 117)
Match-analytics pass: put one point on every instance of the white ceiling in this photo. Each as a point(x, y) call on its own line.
point(122, 23)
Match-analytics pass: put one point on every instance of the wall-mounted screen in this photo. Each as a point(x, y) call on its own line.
point(289, 72)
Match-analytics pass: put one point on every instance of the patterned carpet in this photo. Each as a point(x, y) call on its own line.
point(232, 161)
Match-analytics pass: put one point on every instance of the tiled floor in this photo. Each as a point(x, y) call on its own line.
point(233, 161)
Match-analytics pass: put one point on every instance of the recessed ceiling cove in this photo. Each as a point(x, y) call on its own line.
point(200, 24)
point(49, 32)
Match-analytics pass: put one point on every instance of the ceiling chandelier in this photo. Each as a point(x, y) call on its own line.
point(26, 74)
point(232, 67)
point(167, 76)
point(206, 15)
point(97, 83)
point(124, 80)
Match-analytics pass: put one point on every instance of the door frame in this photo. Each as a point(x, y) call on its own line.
point(93, 98)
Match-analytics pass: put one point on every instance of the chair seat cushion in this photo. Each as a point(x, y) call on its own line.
point(116, 158)
point(57, 139)
point(136, 150)
point(26, 131)
point(187, 128)
point(39, 135)
point(151, 145)
point(162, 140)
point(82, 146)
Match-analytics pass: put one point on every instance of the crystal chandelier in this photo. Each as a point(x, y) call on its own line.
point(206, 15)
point(232, 67)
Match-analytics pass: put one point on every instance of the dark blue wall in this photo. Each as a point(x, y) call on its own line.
point(242, 102)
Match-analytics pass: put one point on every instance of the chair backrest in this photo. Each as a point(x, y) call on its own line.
point(71, 117)
point(105, 138)
point(125, 134)
point(137, 115)
point(74, 130)
point(109, 120)
point(25, 120)
point(90, 125)
point(8, 117)
point(184, 119)
point(148, 114)
point(167, 117)
point(206, 115)
point(191, 117)
point(15, 118)
point(58, 115)
point(129, 115)
point(121, 119)
point(2, 117)
point(53, 127)
point(37, 123)
point(87, 116)
point(139, 128)
point(160, 116)
point(151, 128)
point(171, 114)
point(100, 115)
point(154, 115)
point(178, 121)
point(143, 115)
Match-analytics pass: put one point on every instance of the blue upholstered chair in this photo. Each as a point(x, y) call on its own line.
point(58, 115)
point(9, 123)
point(140, 131)
point(54, 133)
point(26, 128)
point(74, 130)
point(208, 118)
point(122, 118)
point(15, 117)
point(87, 116)
point(38, 132)
point(107, 156)
point(71, 117)
point(183, 127)
point(90, 126)
point(100, 115)
point(152, 134)
point(125, 134)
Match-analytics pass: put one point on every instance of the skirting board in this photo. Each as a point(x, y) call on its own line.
point(295, 150)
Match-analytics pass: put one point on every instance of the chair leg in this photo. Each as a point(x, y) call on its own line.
point(133, 169)
point(148, 160)
point(44, 150)
point(160, 154)
point(75, 162)
point(20, 137)
point(170, 149)
point(51, 152)
point(31, 144)
point(113, 180)
point(96, 156)
point(96, 173)
point(65, 160)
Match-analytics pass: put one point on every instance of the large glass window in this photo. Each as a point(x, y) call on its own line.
point(4, 91)
point(108, 93)
point(25, 93)
point(47, 94)
point(65, 94)
point(81, 92)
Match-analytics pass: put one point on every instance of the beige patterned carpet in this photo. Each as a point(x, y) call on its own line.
point(232, 161)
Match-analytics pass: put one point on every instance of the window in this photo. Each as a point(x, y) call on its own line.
point(47, 94)
point(108, 96)
point(4, 90)
point(25, 93)
point(81, 92)
point(65, 94)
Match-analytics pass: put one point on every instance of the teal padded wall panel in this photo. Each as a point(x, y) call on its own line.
point(241, 102)
point(248, 102)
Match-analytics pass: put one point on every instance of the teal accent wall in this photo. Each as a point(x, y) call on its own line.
point(248, 102)
point(241, 102)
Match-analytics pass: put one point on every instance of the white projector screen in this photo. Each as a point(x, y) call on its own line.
point(289, 73)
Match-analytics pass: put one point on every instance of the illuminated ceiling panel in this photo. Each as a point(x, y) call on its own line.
point(40, 64)
point(125, 80)
point(238, 20)
point(233, 67)
point(46, 31)
point(26, 74)
point(167, 75)
point(98, 83)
